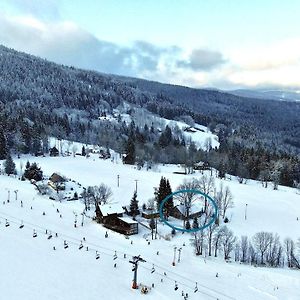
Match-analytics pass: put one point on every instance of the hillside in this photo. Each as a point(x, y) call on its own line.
point(31, 87)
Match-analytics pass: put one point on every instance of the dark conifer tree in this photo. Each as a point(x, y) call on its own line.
point(187, 225)
point(33, 172)
point(3, 149)
point(27, 138)
point(160, 193)
point(83, 152)
point(152, 226)
point(134, 205)
point(169, 204)
point(27, 165)
point(165, 138)
point(9, 165)
point(129, 152)
point(195, 223)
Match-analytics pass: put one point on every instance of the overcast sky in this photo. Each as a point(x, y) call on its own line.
point(226, 44)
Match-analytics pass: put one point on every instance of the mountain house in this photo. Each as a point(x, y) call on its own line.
point(54, 152)
point(111, 216)
point(180, 211)
point(57, 182)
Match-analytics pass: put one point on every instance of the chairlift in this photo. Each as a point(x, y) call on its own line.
point(176, 286)
point(34, 233)
point(97, 255)
point(6, 223)
point(22, 225)
point(196, 288)
point(66, 245)
point(115, 255)
point(80, 246)
point(49, 236)
point(152, 270)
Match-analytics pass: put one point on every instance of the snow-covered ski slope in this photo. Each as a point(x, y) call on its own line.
point(31, 269)
point(197, 133)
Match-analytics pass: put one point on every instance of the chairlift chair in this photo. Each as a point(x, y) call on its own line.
point(152, 270)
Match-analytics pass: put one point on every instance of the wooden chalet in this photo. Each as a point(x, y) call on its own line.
point(180, 212)
point(57, 182)
point(54, 151)
point(111, 216)
point(150, 214)
point(201, 165)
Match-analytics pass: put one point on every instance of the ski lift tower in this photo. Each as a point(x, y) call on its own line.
point(135, 260)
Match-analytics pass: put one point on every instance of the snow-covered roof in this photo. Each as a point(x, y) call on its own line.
point(127, 220)
point(196, 207)
point(108, 209)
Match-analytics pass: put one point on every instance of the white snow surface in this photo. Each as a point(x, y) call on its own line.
point(108, 209)
point(31, 269)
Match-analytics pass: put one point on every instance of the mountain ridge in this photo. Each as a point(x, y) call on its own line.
point(32, 86)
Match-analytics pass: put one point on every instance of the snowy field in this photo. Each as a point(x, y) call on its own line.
point(32, 269)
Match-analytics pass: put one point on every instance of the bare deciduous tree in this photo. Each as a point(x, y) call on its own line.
point(103, 193)
point(224, 200)
point(99, 194)
point(244, 248)
point(262, 242)
point(217, 241)
point(228, 241)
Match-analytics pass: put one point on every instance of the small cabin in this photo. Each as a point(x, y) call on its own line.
point(111, 216)
point(150, 214)
point(180, 211)
point(54, 151)
point(107, 213)
point(201, 165)
point(129, 226)
point(57, 182)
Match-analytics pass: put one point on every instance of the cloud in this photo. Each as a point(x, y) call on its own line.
point(66, 43)
point(202, 60)
point(265, 57)
point(42, 9)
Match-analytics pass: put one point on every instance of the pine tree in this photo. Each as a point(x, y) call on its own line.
point(9, 165)
point(107, 154)
point(187, 225)
point(161, 193)
point(129, 152)
point(134, 205)
point(3, 149)
point(165, 138)
point(83, 152)
point(195, 223)
point(26, 137)
point(27, 165)
point(169, 204)
point(152, 226)
point(33, 172)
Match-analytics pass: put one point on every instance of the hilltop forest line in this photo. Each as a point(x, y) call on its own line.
point(38, 99)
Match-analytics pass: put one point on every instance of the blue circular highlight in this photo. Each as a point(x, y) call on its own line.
point(211, 200)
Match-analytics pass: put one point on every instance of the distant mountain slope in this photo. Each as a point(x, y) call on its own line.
point(282, 95)
point(32, 87)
